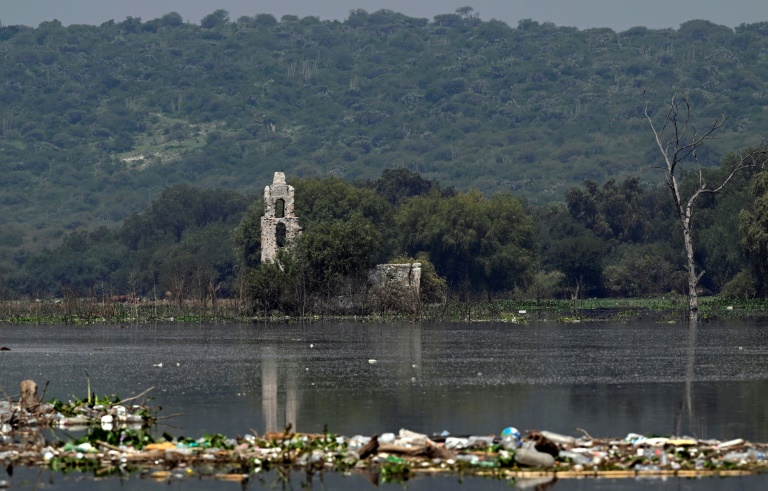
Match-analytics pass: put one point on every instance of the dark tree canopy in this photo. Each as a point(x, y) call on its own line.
point(486, 244)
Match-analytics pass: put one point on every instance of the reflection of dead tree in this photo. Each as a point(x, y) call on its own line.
point(688, 405)
point(678, 141)
point(685, 418)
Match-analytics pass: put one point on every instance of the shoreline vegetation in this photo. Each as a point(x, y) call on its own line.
point(112, 436)
point(669, 309)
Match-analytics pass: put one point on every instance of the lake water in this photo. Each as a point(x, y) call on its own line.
point(608, 378)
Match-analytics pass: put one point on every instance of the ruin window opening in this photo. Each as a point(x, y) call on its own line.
point(280, 234)
point(280, 208)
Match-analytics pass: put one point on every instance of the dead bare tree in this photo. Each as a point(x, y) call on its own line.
point(678, 139)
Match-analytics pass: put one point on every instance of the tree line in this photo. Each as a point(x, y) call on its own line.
point(613, 239)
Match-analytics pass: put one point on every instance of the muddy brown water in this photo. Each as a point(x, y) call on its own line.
point(608, 378)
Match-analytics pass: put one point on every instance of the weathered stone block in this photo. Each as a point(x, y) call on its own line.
point(406, 276)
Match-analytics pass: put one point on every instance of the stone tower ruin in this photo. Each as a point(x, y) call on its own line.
point(279, 225)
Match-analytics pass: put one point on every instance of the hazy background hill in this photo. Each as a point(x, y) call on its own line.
point(97, 120)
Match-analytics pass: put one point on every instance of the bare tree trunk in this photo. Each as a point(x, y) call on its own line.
point(684, 214)
point(678, 140)
point(693, 278)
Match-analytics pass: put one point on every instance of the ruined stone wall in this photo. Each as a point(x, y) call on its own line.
point(278, 208)
point(406, 276)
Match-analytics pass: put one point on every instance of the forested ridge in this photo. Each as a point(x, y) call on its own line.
point(98, 120)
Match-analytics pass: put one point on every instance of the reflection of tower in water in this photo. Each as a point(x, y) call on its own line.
point(270, 400)
point(409, 348)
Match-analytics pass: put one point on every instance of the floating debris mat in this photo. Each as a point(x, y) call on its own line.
point(118, 439)
point(108, 413)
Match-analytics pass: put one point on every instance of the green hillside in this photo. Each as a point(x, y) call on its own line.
point(98, 120)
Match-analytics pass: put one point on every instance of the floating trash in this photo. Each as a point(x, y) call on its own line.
point(120, 439)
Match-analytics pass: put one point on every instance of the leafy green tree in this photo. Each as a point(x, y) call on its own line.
point(580, 258)
point(203, 254)
point(329, 199)
point(742, 286)
point(247, 236)
point(336, 250)
point(613, 212)
point(217, 18)
point(397, 185)
point(266, 20)
point(266, 287)
point(643, 270)
point(322, 201)
point(483, 244)
point(178, 209)
point(83, 260)
point(720, 252)
point(753, 225)
point(171, 20)
point(546, 285)
point(572, 249)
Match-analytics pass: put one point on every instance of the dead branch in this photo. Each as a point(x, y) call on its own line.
point(134, 397)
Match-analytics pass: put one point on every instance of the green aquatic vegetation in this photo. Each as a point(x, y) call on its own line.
point(94, 407)
point(137, 439)
point(506, 458)
point(395, 470)
point(68, 409)
point(216, 440)
point(327, 442)
point(67, 464)
point(77, 406)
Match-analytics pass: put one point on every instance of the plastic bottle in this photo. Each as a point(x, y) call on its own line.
point(480, 441)
point(387, 438)
point(731, 443)
point(558, 438)
point(533, 458)
point(455, 443)
point(470, 459)
point(575, 457)
point(736, 457)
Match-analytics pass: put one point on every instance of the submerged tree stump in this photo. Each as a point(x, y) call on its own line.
point(29, 397)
